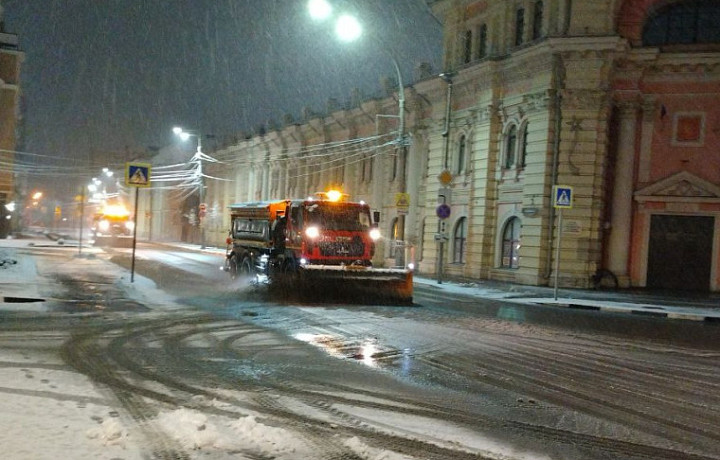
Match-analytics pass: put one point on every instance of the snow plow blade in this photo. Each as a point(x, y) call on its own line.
point(113, 241)
point(359, 285)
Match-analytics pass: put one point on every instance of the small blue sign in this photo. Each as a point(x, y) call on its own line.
point(562, 197)
point(443, 211)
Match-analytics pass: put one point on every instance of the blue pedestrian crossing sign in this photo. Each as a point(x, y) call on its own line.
point(562, 197)
point(137, 174)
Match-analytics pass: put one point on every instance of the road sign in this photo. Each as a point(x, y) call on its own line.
point(445, 177)
point(562, 197)
point(137, 174)
point(443, 211)
point(402, 200)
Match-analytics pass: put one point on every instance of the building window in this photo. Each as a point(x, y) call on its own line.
point(394, 235)
point(519, 26)
point(482, 41)
point(461, 155)
point(683, 23)
point(467, 47)
point(510, 145)
point(688, 129)
point(523, 147)
point(459, 240)
point(537, 20)
point(395, 159)
point(421, 241)
point(511, 244)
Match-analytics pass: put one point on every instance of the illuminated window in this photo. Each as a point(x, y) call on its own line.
point(511, 244)
point(394, 235)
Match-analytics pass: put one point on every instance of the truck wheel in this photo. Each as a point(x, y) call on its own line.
point(289, 267)
point(233, 266)
point(246, 269)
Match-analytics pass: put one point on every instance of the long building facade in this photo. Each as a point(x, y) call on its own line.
point(10, 59)
point(615, 101)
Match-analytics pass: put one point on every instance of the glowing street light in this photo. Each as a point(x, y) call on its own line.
point(319, 9)
point(349, 29)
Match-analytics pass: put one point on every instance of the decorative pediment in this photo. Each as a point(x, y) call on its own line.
point(683, 185)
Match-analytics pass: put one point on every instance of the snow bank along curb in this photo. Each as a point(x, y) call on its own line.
point(642, 309)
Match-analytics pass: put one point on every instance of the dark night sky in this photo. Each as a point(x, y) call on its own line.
point(106, 75)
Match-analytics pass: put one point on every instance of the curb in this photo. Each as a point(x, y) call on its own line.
point(646, 310)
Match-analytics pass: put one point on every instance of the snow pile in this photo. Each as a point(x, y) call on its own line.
point(110, 432)
point(196, 431)
point(362, 450)
point(190, 428)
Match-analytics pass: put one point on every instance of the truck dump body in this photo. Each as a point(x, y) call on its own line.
point(312, 248)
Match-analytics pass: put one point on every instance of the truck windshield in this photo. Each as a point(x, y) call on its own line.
point(333, 216)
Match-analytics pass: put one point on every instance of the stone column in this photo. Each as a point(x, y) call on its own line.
point(622, 193)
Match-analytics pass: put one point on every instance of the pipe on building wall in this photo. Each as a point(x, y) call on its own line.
point(447, 77)
point(559, 86)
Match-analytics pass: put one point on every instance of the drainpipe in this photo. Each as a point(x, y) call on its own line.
point(447, 78)
point(559, 85)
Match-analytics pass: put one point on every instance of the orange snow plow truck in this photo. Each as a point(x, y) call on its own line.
point(313, 249)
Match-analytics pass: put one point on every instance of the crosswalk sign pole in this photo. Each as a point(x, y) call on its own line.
point(562, 198)
point(557, 252)
point(132, 267)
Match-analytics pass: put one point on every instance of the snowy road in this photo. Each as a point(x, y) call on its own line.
point(218, 371)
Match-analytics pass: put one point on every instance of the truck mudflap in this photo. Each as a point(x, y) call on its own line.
point(357, 284)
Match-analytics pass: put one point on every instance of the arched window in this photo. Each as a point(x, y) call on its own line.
point(421, 241)
point(461, 155)
point(519, 26)
point(511, 244)
point(395, 158)
point(537, 20)
point(510, 144)
point(394, 236)
point(459, 240)
point(482, 41)
point(523, 147)
point(467, 46)
point(684, 23)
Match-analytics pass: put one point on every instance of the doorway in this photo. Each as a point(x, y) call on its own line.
point(680, 252)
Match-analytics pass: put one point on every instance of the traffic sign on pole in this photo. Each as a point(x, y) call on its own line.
point(137, 174)
point(443, 211)
point(562, 197)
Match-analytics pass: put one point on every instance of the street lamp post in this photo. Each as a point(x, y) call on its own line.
point(185, 135)
point(349, 29)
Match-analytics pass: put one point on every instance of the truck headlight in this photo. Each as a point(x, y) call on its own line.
point(312, 232)
point(130, 225)
point(375, 234)
point(104, 225)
